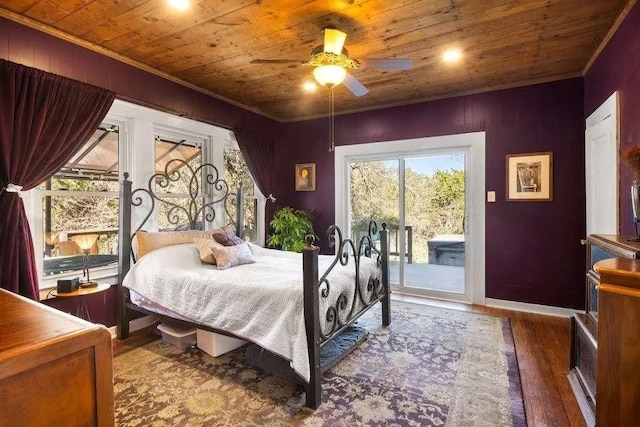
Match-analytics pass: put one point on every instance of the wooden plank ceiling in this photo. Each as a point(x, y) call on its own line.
point(505, 43)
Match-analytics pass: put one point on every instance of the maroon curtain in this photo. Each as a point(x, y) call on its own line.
point(259, 155)
point(44, 120)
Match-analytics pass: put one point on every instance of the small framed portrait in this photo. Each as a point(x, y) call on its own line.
point(306, 177)
point(530, 177)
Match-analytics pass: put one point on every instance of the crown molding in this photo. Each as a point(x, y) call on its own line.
point(487, 89)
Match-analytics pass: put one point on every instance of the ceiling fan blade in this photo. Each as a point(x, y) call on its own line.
point(390, 63)
point(357, 88)
point(334, 40)
point(277, 61)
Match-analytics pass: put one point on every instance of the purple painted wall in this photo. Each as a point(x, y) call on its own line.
point(618, 68)
point(533, 251)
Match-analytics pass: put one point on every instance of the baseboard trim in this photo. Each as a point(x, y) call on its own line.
point(136, 324)
point(531, 308)
point(587, 412)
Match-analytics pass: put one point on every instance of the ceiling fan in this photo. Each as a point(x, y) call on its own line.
point(331, 62)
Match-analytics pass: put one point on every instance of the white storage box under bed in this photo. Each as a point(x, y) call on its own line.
point(217, 344)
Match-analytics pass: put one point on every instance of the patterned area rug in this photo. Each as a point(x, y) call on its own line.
point(430, 367)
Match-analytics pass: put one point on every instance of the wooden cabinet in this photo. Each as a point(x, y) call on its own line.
point(587, 369)
point(619, 344)
point(55, 369)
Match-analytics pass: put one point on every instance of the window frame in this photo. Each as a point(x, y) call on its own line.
point(35, 216)
point(259, 199)
point(138, 126)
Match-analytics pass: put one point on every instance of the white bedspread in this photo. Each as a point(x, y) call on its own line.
point(260, 302)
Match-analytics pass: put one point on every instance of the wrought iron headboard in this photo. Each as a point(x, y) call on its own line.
point(206, 189)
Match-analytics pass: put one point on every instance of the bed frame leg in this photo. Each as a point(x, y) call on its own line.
point(311, 321)
point(122, 317)
point(386, 299)
point(124, 257)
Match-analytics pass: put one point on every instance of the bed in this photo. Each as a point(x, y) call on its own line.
point(298, 308)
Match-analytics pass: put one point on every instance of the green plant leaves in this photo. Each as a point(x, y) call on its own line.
point(290, 228)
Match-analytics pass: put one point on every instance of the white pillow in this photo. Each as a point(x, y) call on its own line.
point(147, 241)
point(231, 256)
point(205, 247)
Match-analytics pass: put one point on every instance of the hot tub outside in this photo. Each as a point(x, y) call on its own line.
point(447, 249)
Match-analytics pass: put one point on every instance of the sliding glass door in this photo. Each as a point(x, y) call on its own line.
point(375, 195)
point(422, 198)
point(434, 216)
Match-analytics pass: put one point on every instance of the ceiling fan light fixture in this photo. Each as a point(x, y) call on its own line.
point(329, 75)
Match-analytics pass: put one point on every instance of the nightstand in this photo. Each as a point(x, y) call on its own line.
point(81, 293)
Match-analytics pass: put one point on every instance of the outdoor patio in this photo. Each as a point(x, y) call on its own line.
point(434, 277)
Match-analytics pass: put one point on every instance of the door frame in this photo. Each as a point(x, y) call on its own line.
point(605, 113)
point(474, 145)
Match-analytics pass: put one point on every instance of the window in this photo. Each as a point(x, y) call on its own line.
point(81, 200)
point(173, 157)
point(236, 174)
point(79, 207)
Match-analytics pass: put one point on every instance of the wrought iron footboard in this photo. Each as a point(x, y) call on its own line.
point(342, 313)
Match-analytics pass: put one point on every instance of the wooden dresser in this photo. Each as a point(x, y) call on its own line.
point(55, 369)
point(587, 330)
point(618, 381)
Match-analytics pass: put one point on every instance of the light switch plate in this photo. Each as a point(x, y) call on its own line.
point(491, 196)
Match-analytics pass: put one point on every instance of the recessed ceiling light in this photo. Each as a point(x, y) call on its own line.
point(179, 4)
point(452, 55)
point(309, 86)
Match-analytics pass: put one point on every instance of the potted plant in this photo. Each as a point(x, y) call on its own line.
point(290, 227)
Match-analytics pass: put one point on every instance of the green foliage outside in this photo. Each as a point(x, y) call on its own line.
point(434, 204)
point(290, 227)
point(84, 213)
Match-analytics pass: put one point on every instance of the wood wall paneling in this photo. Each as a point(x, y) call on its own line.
point(506, 44)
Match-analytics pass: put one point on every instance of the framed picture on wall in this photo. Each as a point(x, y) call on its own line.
point(306, 177)
point(530, 177)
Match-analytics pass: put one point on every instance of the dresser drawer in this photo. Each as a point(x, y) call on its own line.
point(585, 352)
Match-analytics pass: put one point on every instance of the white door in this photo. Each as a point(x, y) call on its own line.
point(601, 169)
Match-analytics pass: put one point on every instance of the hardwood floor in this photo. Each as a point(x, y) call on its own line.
point(542, 346)
point(136, 339)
